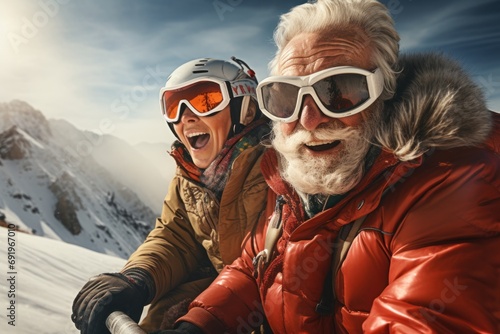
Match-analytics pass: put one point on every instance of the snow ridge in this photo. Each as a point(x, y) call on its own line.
point(53, 184)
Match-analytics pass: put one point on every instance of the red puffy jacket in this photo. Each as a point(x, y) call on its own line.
point(425, 260)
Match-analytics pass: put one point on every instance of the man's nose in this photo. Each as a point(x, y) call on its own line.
point(311, 116)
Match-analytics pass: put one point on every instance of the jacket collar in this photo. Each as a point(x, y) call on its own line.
point(436, 106)
point(386, 171)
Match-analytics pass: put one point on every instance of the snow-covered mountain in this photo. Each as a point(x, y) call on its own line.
point(91, 190)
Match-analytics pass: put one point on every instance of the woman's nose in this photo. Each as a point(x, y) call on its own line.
point(187, 114)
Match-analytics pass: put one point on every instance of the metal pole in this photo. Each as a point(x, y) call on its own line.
point(120, 323)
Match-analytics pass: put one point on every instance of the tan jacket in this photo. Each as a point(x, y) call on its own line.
point(187, 230)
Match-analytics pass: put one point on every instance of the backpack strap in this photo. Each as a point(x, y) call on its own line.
point(273, 233)
point(344, 240)
point(344, 245)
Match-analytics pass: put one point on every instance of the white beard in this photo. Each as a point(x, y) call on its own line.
point(328, 175)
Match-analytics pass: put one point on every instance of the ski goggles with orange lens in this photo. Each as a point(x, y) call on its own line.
point(338, 91)
point(203, 96)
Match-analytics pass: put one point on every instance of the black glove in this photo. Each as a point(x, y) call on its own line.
point(102, 294)
point(182, 328)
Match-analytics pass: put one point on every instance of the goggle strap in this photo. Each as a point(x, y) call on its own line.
point(378, 82)
point(242, 88)
point(240, 62)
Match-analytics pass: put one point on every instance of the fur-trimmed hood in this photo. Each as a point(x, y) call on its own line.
point(436, 105)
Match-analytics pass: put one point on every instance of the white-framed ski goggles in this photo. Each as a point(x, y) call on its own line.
point(204, 96)
point(338, 91)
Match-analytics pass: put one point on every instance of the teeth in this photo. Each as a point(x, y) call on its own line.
point(191, 135)
point(318, 143)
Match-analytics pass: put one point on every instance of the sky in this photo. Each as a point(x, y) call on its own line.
point(101, 63)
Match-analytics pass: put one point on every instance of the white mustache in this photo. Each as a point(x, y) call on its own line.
point(302, 136)
point(327, 174)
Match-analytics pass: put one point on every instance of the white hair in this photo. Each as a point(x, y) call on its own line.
point(370, 16)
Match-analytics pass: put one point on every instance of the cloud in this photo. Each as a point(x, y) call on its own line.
point(95, 62)
point(445, 24)
point(79, 71)
point(465, 30)
point(33, 69)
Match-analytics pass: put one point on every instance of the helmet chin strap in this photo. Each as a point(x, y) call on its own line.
point(171, 126)
point(242, 115)
point(235, 111)
point(245, 104)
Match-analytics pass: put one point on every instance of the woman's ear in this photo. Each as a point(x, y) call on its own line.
point(248, 110)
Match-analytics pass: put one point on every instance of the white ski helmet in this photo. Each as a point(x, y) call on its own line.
point(226, 71)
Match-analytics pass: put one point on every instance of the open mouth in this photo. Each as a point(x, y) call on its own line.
point(318, 147)
point(198, 140)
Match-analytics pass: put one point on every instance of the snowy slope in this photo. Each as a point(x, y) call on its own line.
point(63, 183)
point(49, 274)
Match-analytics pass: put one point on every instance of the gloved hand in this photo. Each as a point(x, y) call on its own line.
point(102, 294)
point(182, 328)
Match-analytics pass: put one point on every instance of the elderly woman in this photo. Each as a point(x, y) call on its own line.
point(213, 201)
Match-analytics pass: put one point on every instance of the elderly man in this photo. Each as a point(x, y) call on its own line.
point(396, 157)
